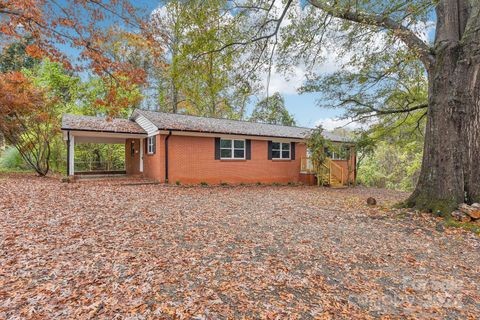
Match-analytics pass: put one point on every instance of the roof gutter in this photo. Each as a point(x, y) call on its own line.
point(166, 155)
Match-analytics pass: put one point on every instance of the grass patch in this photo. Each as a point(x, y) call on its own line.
point(469, 226)
point(15, 170)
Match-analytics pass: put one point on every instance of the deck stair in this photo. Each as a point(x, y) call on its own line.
point(329, 174)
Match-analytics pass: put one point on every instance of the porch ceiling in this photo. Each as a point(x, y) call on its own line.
point(101, 137)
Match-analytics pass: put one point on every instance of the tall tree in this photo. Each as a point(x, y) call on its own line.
point(272, 110)
point(194, 79)
point(379, 39)
point(170, 20)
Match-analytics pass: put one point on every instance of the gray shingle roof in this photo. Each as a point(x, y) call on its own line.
point(89, 123)
point(166, 121)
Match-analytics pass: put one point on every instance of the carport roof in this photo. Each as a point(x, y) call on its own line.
point(97, 124)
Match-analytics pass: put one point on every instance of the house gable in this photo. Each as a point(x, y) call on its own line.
point(150, 128)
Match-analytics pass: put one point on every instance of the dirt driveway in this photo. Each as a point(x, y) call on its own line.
point(106, 250)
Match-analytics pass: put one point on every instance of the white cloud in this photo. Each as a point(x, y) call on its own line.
point(287, 84)
point(290, 83)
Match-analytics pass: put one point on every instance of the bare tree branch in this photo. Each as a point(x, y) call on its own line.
point(406, 35)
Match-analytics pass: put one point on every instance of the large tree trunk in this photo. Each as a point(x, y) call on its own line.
point(451, 163)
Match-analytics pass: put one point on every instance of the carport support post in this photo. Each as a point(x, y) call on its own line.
point(71, 155)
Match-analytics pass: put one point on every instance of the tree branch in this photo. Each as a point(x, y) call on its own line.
point(403, 33)
point(274, 33)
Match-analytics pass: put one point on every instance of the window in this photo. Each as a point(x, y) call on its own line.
point(280, 150)
point(151, 144)
point(232, 149)
point(338, 153)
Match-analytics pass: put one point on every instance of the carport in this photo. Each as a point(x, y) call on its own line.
point(78, 129)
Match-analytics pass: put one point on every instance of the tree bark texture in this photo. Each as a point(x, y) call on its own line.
point(451, 162)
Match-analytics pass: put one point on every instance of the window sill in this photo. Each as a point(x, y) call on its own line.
point(281, 160)
point(233, 160)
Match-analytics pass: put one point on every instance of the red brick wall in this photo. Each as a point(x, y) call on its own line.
point(154, 164)
point(132, 164)
point(308, 179)
point(192, 160)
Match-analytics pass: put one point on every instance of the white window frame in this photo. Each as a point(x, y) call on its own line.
point(336, 155)
point(232, 148)
point(281, 150)
point(150, 143)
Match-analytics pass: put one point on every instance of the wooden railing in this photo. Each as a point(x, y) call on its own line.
point(306, 165)
point(336, 172)
point(329, 172)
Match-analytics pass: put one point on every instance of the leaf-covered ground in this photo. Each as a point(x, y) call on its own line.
point(107, 250)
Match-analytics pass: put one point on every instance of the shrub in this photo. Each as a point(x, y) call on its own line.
point(259, 183)
point(224, 184)
point(178, 182)
point(203, 184)
point(11, 159)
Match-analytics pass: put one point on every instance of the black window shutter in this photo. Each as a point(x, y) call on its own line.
point(217, 148)
point(145, 146)
point(269, 150)
point(248, 149)
point(292, 150)
point(154, 144)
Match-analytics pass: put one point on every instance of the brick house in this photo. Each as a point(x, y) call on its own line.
point(189, 149)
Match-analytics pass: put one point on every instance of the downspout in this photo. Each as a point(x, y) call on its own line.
point(68, 153)
point(166, 155)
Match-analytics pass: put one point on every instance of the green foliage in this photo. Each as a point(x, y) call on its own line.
point(12, 160)
point(99, 157)
point(178, 183)
point(390, 151)
point(204, 184)
point(392, 166)
point(272, 110)
point(58, 83)
point(317, 144)
point(15, 58)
